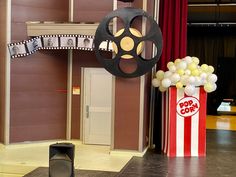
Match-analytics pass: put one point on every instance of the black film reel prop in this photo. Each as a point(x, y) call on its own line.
point(127, 15)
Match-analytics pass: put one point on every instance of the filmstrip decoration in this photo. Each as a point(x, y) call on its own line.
point(128, 43)
point(79, 42)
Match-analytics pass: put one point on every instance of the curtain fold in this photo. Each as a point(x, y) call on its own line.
point(173, 24)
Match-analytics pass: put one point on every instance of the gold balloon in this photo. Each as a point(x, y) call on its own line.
point(179, 85)
point(160, 75)
point(180, 72)
point(211, 69)
point(204, 67)
point(192, 66)
point(195, 72)
point(196, 60)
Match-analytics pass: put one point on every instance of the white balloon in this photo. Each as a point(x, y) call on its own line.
point(167, 74)
point(187, 72)
point(172, 68)
point(162, 89)
point(191, 80)
point(188, 59)
point(181, 65)
point(175, 78)
point(184, 79)
point(156, 82)
point(214, 87)
point(198, 81)
point(166, 82)
point(212, 78)
point(204, 81)
point(203, 75)
point(190, 90)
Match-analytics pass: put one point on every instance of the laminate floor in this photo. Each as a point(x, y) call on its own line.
point(219, 162)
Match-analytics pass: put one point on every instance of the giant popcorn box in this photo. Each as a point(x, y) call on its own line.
point(184, 123)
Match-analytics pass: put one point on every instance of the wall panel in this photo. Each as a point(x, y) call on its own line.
point(148, 78)
point(3, 32)
point(91, 11)
point(127, 107)
point(34, 10)
point(38, 82)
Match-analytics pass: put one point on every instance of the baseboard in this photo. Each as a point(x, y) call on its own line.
point(40, 143)
point(128, 153)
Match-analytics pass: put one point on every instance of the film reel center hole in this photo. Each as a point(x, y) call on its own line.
point(120, 25)
point(137, 24)
point(128, 66)
point(149, 47)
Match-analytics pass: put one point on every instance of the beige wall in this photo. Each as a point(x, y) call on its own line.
point(2, 65)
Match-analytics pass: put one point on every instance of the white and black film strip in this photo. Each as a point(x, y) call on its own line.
point(66, 41)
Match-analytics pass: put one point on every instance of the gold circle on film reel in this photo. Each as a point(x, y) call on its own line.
point(127, 43)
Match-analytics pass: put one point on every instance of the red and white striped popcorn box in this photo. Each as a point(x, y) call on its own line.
point(184, 123)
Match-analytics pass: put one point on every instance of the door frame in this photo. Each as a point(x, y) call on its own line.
point(82, 106)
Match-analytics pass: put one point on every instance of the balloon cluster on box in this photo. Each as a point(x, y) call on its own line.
point(187, 74)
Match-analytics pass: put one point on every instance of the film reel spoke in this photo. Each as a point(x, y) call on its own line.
point(129, 43)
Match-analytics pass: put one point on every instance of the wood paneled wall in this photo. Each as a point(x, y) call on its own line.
point(3, 22)
point(148, 78)
point(35, 10)
point(127, 113)
point(127, 106)
point(91, 10)
point(38, 82)
point(85, 12)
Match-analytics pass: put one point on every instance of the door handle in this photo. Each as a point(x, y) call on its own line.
point(87, 111)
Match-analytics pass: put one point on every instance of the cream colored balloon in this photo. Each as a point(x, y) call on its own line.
point(160, 75)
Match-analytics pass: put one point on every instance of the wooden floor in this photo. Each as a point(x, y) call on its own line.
point(221, 122)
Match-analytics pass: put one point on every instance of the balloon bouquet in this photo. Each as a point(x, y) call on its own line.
point(186, 73)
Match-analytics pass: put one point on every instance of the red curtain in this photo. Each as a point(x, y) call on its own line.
point(173, 24)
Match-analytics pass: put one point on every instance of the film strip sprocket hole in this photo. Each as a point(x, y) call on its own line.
point(55, 42)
